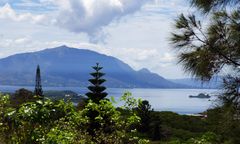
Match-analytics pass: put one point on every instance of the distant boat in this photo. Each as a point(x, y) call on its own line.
point(201, 95)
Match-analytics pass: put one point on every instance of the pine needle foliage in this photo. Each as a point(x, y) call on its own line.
point(96, 89)
point(213, 5)
point(207, 48)
point(38, 86)
point(204, 51)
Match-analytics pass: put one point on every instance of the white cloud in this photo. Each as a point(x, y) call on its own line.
point(139, 39)
point(24, 40)
point(78, 16)
point(91, 16)
point(167, 58)
point(6, 12)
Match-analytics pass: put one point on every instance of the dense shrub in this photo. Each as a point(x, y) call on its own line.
point(46, 121)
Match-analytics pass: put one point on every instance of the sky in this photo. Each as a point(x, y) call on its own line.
point(135, 31)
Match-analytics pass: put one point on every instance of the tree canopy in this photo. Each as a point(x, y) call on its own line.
point(213, 5)
point(205, 50)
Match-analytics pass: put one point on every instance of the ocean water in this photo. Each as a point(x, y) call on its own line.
point(176, 100)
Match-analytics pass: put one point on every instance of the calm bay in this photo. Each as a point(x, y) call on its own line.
point(176, 100)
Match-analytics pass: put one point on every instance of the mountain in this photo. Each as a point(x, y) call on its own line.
point(215, 82)
point(64, 66)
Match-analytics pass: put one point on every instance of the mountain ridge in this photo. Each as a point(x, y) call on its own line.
point(214, 83)
point(66, 66)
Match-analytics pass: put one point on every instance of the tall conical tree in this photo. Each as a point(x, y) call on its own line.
point(38, 86)
point(96, 90)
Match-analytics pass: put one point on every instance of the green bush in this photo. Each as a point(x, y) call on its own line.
point(54, 122)
point(207, 138)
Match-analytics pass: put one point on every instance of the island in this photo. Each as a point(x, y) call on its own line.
point(201, 95)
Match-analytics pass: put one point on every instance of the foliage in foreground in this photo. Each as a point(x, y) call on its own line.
point(205, 50)
point(59, 122)
point(46, 121)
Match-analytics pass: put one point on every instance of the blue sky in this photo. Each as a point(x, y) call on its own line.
point(135, 31)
